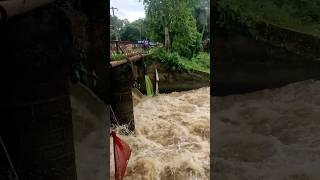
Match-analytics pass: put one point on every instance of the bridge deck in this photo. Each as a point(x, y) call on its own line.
point(131, 52)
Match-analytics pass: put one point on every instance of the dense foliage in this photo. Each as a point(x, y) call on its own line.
point(201, 63)
point(170, 59)
point(116, 25)
point(299, 15)
point(133, 31)
point(180, 25)
point(172, 23)
point(174, 61)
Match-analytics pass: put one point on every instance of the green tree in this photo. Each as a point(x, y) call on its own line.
point(134, 31)
point(116, 25)
point(174, 20)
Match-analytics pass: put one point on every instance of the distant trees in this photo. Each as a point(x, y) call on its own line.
point(181, 25)
point(134, 31)
point(126, 31)
point(116, 25)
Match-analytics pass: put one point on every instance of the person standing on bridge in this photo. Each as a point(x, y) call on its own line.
point(146, 45)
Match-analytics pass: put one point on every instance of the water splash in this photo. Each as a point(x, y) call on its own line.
point(172, 138)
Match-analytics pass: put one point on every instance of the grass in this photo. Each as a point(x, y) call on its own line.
point(201, 62)
point(117, 57)
point(298, 15)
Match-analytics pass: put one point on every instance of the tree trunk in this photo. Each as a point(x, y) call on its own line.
point(166, 38)
point(202, 32)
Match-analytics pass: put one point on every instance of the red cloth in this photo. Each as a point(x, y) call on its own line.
point(122, 154)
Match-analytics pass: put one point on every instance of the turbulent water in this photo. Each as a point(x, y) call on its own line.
point(268, 135)
point(172, 138)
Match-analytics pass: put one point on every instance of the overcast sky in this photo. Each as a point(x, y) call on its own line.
point(128, 9)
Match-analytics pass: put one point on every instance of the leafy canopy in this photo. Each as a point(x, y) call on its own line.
point(133, 31)
point(176, 15)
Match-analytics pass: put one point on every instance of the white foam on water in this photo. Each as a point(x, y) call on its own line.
point(172, 138)
point(268, 135)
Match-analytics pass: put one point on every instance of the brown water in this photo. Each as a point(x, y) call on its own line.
point(172, 138)
point(268, 135)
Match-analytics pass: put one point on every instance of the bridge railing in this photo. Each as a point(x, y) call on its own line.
point(124, 49)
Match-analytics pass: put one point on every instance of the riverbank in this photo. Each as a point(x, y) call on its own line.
point(177, 73)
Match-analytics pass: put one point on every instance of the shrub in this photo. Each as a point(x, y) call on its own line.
point(171, 60)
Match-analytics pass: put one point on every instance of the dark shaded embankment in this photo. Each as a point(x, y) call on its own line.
point(261, 56)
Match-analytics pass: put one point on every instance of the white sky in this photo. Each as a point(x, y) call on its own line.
point(128, 9)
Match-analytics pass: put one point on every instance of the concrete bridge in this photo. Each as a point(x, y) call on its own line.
point(123, 73)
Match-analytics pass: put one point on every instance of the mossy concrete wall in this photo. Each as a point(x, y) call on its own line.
point(171, 80)
point(121, 96)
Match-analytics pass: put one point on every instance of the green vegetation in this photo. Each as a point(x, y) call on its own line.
point(170, 60)
point(172, 22)
point(180, 25)
point(116, 26)
point(134, 31)
point(117, 57)
point(149, 86)
point(126, 31)
point(298, 15)
point(200, 62)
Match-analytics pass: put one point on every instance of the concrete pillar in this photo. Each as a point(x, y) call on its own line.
point(121, 95)
point(90, 118)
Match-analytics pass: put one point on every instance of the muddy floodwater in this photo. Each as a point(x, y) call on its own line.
point(268, 135)
point(172, 138)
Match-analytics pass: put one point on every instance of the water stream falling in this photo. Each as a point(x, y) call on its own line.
point(172, 138)
point(271, 134)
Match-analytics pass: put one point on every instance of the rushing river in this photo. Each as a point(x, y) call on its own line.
point(172, 138)
point(268, 135)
